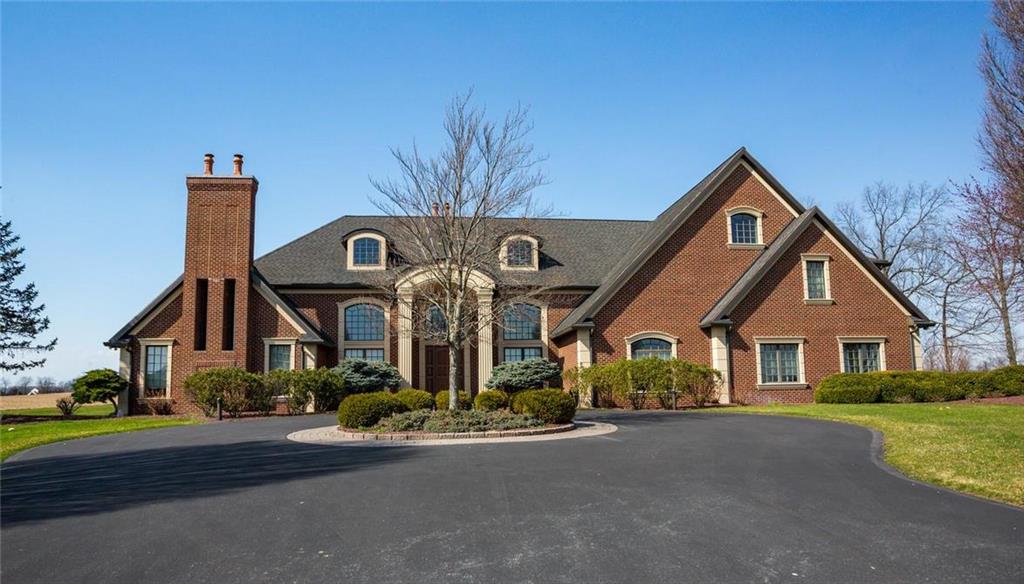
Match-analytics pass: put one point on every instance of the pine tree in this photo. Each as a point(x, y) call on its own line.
point(21, 320)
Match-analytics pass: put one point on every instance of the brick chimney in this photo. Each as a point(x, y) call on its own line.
point(219, 228)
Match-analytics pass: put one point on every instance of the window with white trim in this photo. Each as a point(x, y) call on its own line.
point(862, 357)
point(745, 228)
point(155, 370)
point(279, 356)
point(367, 251)
point(817, 284)
point(780, 363)
point(651, 349)
point(519, 252)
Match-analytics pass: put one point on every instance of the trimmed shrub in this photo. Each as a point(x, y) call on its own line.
point(552, 406)
point(897, 387)
point(232, 385)
point(513, 376)
point(98, 385)
point(698, 382)
point(363, 410)
point(455, 421)
point(1007, 380)
point(491, 400)
point(441, 400)
point(416, 399)
point(404, 422)
point(326, 387)
point(361, 376)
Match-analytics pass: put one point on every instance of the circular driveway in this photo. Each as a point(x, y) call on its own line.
point(669, 497)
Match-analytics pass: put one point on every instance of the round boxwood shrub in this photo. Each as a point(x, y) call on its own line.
point(513, 376)
point(416, 399)
point(491, 400)
point(441, 400)
point(551, 406)
point(363, 410)
point(361, 376)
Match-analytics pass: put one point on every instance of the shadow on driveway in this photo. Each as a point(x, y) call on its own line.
point(83, 484)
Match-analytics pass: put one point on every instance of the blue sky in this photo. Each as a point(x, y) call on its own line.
point(105, 108)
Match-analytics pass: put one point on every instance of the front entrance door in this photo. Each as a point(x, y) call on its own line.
point(436, 368)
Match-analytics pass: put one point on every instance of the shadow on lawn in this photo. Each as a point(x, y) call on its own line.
point(36, 490)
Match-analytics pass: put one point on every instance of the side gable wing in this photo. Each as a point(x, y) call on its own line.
point(121, 337)
point(666, 224)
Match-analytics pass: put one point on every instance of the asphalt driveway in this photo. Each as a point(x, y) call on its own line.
point(670, 497)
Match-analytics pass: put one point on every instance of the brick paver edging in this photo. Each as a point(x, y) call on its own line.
point(335, 435)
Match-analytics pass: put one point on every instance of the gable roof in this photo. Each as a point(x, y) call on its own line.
point(310, 333)
point(666, 224)
point(577, 253)
point(719, 313)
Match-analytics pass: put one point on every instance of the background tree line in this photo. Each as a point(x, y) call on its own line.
point(958, 250)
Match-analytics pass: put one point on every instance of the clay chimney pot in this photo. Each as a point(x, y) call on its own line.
point(238, 165)
point(208, 164)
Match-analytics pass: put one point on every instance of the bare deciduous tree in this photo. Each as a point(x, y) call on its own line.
point(1002, 135)
point(990, 256)
point(448, 216)
point(898, 226)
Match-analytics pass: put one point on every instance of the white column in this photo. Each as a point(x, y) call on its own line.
point(915, 339)
point(584, 358)
point(720, 360)
point(405, 299)
point(124, 369)
point(485, 351)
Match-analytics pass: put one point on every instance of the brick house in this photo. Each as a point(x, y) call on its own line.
point(736, 274)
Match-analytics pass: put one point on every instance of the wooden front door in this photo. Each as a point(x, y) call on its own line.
point(436, 368)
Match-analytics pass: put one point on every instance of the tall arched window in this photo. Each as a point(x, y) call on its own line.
point(744, 229)
point(364, 335)
point(436, 324)
point(521, 334)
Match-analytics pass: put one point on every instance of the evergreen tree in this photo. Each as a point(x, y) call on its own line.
point(21, 319)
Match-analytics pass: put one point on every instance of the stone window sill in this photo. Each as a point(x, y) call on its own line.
point(771, 386)
point(745, 246)
point(819, 301)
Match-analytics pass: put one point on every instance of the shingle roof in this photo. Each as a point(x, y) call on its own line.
point(575, 252)
point(661, 228)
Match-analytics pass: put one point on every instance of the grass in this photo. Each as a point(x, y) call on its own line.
point(973, 448)
point(18, 437)
point(98, 411)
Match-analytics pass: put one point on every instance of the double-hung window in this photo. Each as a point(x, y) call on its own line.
point(861, 357)
point(155, 371)
point(780, 360)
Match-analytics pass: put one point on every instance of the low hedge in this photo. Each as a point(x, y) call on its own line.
point(552, 406)
point(458, 421)
point(491, 400)
point(363, 410)
point(919, 386)
point(416, 399)
point(441, 400)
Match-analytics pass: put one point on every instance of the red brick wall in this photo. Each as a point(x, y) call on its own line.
point(776, 307)
point(687, 275)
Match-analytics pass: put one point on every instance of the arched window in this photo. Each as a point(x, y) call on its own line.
point(364, 336)
point(519, 253)
point(651, 348)
point(744, 229)
point(366, 252)
point(521, 334)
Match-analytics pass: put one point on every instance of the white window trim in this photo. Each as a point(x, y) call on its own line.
point(542, 342)
point(799, 342)
point(292, 342)
point(503, 253)
point(674, 341)
point(350, 245)
point(757, 214)
point(881, 350)
point(818, 257)
point(343, 344)
point(143, 343)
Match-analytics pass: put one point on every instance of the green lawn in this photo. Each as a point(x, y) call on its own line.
point(973, 448)
point(98, 411)
point(18, 437)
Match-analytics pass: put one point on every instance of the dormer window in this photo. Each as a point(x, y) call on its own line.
point(519, 252)
point(745, 230)
point(366, 251)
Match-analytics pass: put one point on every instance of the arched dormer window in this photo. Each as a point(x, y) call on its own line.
point(367, 251)
point(520, 252)
point(745, 229)
point(647, 345)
